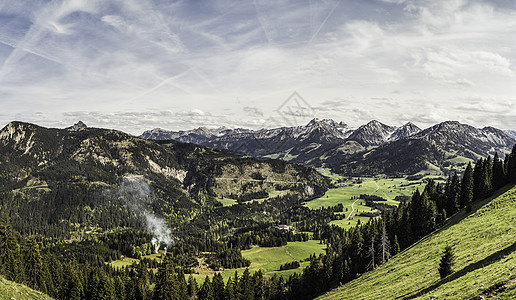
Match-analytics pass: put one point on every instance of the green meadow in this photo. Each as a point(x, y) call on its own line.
point(348, 191)
point(269, 259)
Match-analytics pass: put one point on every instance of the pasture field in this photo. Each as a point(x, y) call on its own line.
point(348, 190)
point(127, 261)
point(485, 265)
point(269, 259)
point(387, 188)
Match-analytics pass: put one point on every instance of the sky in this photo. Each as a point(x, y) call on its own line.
point(135, 65)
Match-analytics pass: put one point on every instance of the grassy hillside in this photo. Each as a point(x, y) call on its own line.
point(484, 243)
point(11, 290)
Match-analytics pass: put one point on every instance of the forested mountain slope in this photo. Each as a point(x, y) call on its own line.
point(484, 245)
point(56, 182)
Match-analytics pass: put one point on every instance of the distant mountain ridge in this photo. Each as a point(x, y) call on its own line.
point(371, 149)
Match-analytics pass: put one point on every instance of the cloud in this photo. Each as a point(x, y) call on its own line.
point(253, 111)
point(113, 57)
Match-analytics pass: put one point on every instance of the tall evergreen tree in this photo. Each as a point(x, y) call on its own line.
point(192, 287)
point(466, 194)
point(511, 166)
point(245, 286)
point(385, 245)
point(498, 177)
point(166, 283)
point(447, 261)
point(477, 176)
point(9, 252)
point(218, 287)
point(371, 254)
point(33, 266)
point(206, 290)
point(485, 187)
point(396, 246)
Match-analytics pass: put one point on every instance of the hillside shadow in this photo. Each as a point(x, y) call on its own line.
point(480, 264)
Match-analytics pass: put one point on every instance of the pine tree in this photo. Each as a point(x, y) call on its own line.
point(498, 178)
point(396, 246)
point(385, 246)
point(447, 261)
point(33, 266)
point(218, 287)
point(466, 193)
point(371, 255)
point(206, 290)
point(166, 283)
point(477, 177)
point(230, 290)
point(192, 287)
point(245, 288)
point(485, 187)
point(511, 166)
point(9, 252)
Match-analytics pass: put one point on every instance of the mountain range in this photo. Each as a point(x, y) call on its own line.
point(371, 149)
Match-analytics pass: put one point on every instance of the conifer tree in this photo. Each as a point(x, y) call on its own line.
point(447, 262)
point(33, 266)
point(206, 290)
point(230, 290)
point(511, 166)
point(466, 194)
point(385, 246)
point(218, 287)
point(477, 177)
point(166, 283)
point(245, 288)
point(396, 246)
point(371, 255)
point(192, 287)
point(9, 252)
point(498, 177)
point(485, 187)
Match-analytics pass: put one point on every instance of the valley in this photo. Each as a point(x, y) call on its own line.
point(257, 150)
point(115, 214)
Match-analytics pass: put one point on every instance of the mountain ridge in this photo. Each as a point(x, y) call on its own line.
point(331, 144)
point(63, 174)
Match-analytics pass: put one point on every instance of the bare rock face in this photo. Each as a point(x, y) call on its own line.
point(77, 126)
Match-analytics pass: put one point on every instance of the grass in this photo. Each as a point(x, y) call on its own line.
point(484, 243)
point(387, 188)
point(350, 190)
point(128, 261)
point(227, 201)
point(269, 259)
point(12, 290)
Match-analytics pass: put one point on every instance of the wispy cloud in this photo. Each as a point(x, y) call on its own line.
point(114, 57)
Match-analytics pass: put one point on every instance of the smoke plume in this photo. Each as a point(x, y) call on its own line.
point(136, 194)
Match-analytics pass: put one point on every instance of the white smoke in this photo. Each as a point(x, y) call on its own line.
point(136, 194)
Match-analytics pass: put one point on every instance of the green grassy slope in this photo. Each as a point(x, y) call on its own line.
point(12, 290)
point(484, 243)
